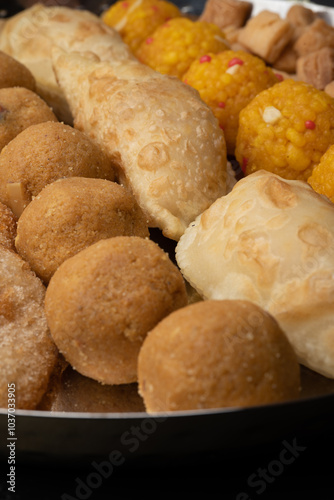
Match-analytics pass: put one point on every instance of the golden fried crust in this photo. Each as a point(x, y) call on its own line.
point(15, 74)
point(165, 140)
point(266, 35)
point(20, 108)
point(7, 227)
point(28, 353)
point(215, 354)
point(45, 152)
point(101, 303)
point(30, 35)
point(270, 241)
point(76, 393)
point(70, 214)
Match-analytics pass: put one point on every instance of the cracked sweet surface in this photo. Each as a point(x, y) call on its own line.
point(271, 241)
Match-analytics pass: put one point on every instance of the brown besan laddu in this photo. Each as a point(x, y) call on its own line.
point(101, 303)
point(215, 354)
point(19, 108)
point(72, 213)
point(43, 153)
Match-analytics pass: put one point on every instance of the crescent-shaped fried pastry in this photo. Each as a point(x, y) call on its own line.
point(163, 139)
point(30, 35)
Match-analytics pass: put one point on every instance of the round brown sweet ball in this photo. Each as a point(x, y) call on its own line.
point(101, 303)
point(15, 74)
point(20, 108)
point(45, 152)
point(70, 214)
point(8, 227)
point(214, 354)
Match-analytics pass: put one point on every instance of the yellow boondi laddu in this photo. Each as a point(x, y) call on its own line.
point(174, 45)
point(322, 178)
point(285, 129)
point(135, 20)
point(227, 82)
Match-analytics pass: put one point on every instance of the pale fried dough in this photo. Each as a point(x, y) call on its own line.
point(29, 36)
point(28, 354)
point(165, 140)
point(270, 241)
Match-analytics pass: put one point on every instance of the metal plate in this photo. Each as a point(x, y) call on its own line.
point(81, 438)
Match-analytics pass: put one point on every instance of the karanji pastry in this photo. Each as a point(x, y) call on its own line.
point(270, 241)
point(30, 35)
point(165, 142)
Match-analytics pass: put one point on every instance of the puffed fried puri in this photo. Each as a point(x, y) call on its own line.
point(101, 303)
point(43, 153)
point(215, 354)
point(72, 392)
point(20, 108)
point(15, 74)
point(72, 213)
point(271, 241)
point(8, 227)
point(28, 354)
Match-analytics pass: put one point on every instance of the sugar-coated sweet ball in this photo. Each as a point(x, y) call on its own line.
point(101, 303)
point(15, 74)
point(20, 108)
point(72, 213)
point(215, 354)
point(43, 153)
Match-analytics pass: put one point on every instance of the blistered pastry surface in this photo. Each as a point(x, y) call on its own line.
point(270, 241)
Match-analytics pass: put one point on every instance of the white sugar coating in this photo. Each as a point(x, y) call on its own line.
point(28, 354)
